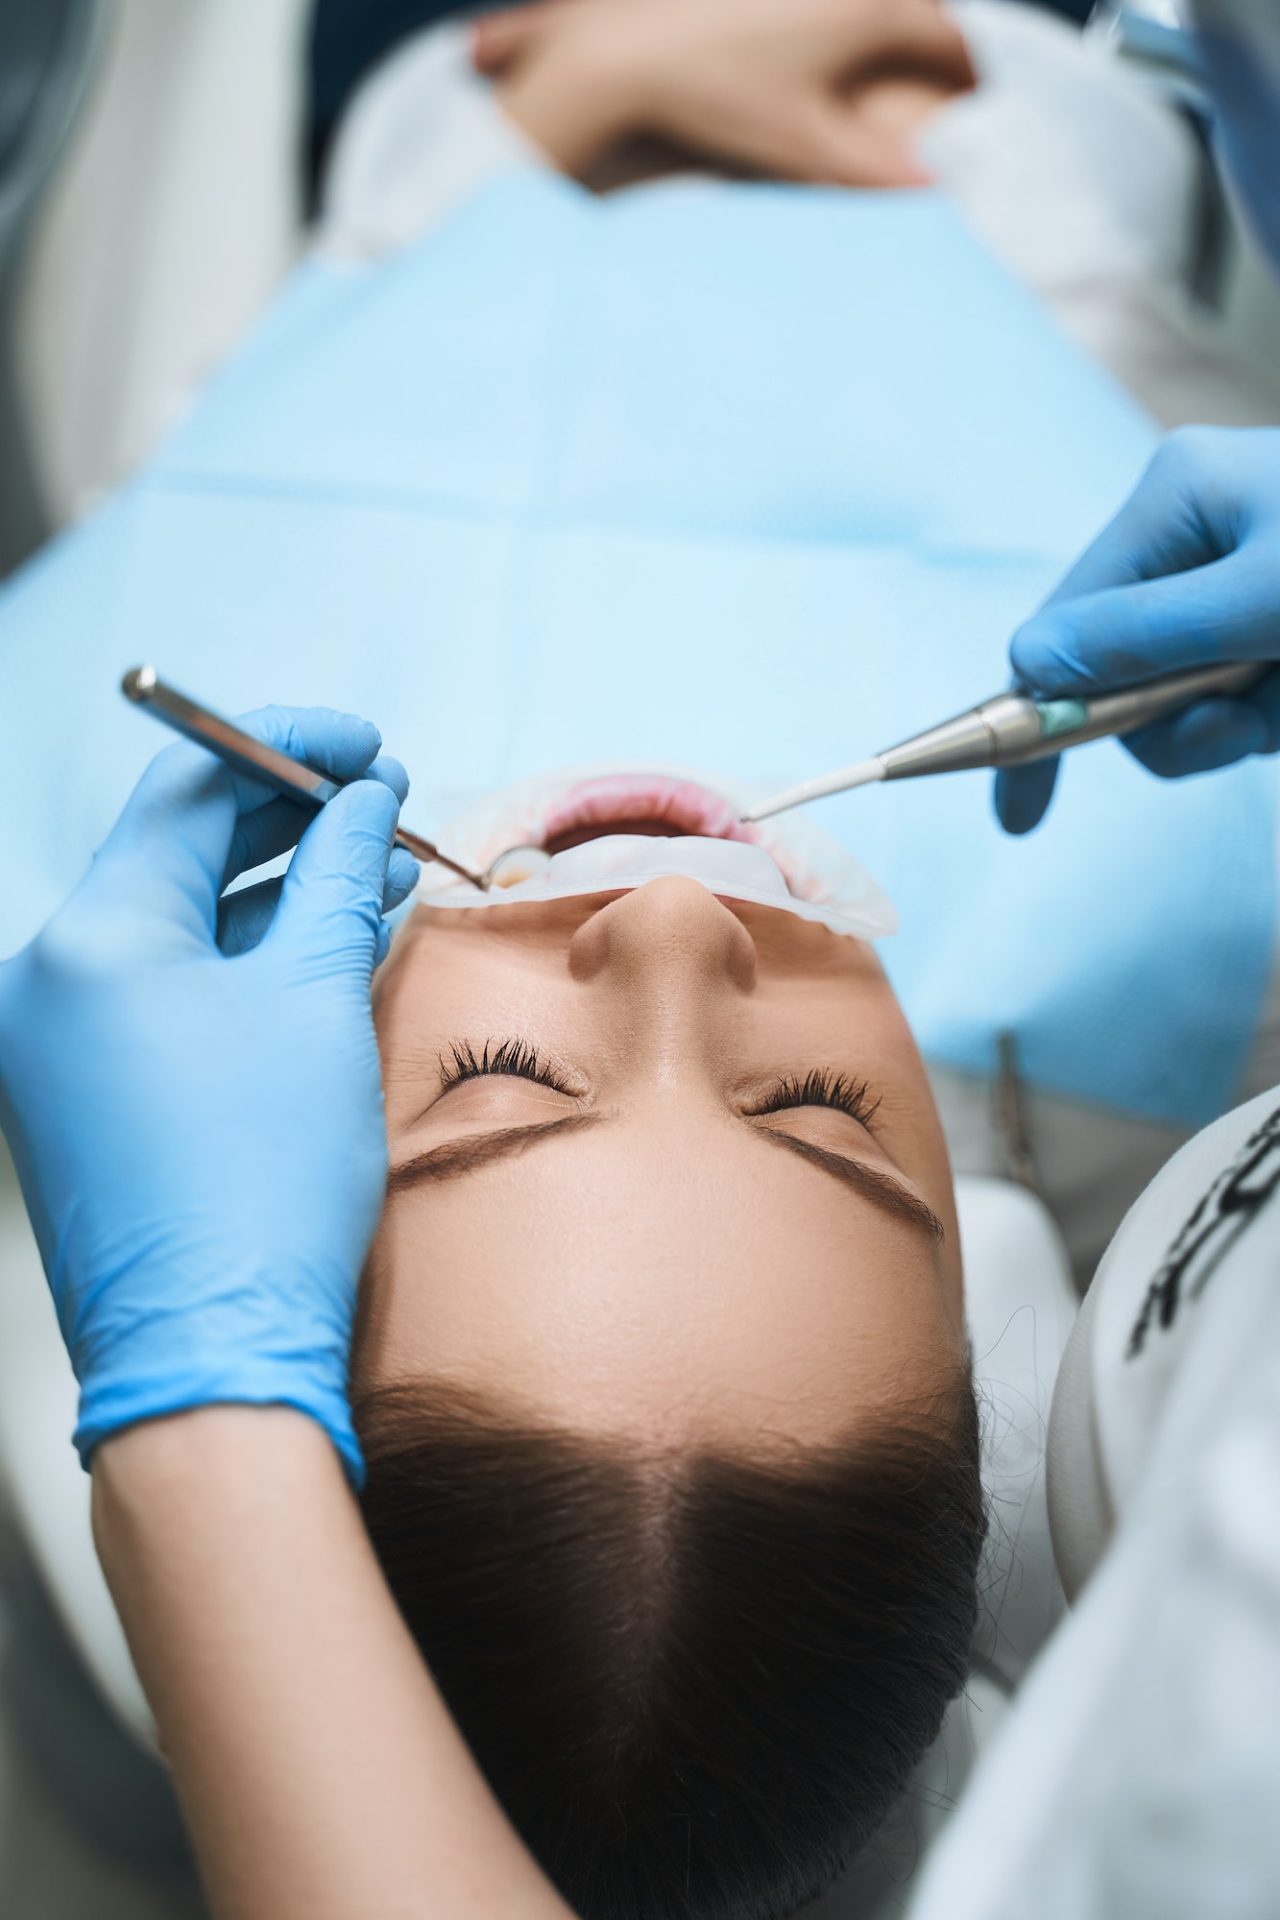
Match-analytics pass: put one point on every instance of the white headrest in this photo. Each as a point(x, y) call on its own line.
point(1020, 1304)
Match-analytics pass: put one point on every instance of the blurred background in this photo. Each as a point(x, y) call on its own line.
point(159, 162)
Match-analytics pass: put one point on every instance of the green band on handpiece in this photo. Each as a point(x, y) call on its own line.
point(1061, 716)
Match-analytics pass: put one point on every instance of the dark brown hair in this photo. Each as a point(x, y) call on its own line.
point(696, 1683)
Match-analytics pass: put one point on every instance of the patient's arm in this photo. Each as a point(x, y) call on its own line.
point(317, 1764)
point(822, 90)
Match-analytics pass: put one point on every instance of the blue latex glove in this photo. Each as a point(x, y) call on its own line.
point(1186, 575)
point(193, 1096)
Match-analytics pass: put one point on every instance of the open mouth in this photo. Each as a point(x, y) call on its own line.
point(527, 838)
point(656, 805)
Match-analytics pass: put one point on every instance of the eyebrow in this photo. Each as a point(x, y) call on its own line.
point(467, 1155)
point(881, 1189)
point(455, 1158)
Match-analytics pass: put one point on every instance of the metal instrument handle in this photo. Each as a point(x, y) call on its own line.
point(293, 778)
point(1105, 714)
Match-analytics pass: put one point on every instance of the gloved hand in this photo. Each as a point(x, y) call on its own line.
point(198, 1127)
point(1186, 575)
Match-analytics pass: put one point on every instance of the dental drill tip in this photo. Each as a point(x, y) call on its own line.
point(138, 683)
point(863, 773)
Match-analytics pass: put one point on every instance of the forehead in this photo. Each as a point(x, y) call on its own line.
point(638, 1275)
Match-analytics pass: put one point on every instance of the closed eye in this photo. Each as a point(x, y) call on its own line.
point(821, 1087)
point(515, 1059)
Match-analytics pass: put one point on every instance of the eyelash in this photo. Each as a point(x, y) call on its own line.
point(819, 1088)
point(515, 1058)
point(822, 1088)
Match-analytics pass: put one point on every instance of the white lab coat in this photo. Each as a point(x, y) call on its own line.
point(1138, 1775)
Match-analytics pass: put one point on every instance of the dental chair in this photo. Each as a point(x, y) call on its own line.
point(172, 217)
point(47, 54)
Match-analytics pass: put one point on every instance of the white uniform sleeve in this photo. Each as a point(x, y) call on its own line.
point(424, 133)
point(1076, 172)
point(1139, 1772)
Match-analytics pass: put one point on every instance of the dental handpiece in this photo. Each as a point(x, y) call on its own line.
point(293, 778)
point(1012, 729)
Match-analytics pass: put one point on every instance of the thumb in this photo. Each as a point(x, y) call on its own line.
point(501, 40)
point(1122, 635)
point(331, 901)
point(840, 150)
point(921, 38)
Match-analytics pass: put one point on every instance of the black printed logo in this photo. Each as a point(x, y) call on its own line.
point(1221, 1218)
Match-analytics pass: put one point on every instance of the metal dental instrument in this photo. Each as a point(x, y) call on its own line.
point(1012, 729)
point(293, 778)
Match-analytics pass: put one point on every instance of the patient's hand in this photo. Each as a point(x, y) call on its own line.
point(797, 89)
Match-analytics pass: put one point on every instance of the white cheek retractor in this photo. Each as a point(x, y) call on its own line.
point(790, 865)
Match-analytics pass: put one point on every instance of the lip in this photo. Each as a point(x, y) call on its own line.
point(557, 815)
point(652, 804)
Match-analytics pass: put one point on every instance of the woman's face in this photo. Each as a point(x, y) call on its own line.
point(675, 1237)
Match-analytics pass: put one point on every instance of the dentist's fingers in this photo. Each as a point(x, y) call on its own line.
point(264, 835)
point(1184, 576)
point(403, 874)
point(168, 852)
point(271, 830)
point(1164, 527)
point(1202, 738)
point(330, 911)
point(245, 916)
point(1022, 795)
point(1122, 635)
point(1211, 734)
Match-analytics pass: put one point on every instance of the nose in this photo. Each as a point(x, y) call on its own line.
point(668, 941)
